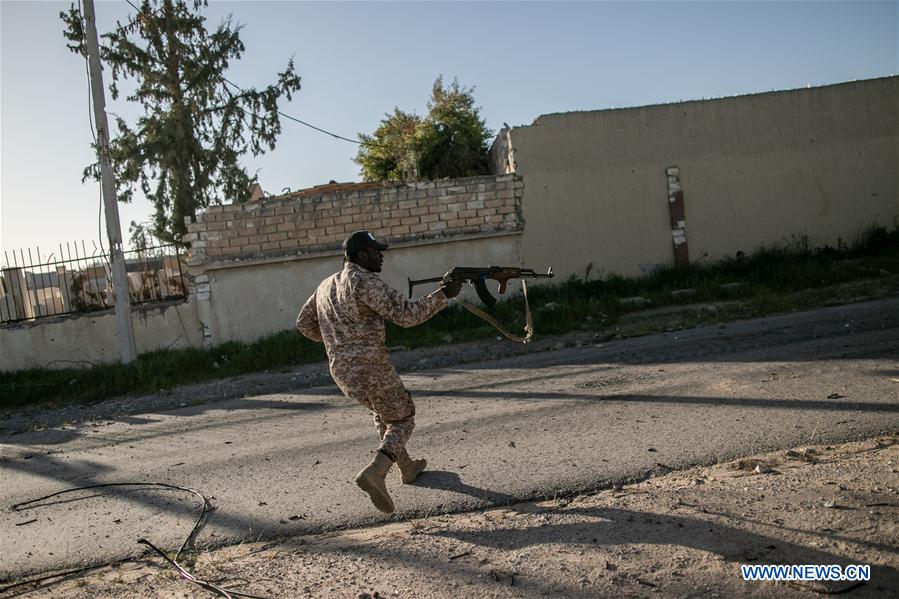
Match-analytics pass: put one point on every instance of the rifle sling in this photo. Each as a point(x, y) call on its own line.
point(529, 321)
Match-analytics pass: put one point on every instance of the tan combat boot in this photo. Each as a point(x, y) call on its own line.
point(371, 480)
point(409, 468)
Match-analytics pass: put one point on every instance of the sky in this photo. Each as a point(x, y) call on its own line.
point(359, 60)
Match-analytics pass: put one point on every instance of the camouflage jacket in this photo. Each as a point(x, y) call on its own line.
point(347, 314)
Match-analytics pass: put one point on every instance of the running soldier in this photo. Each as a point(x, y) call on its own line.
point(347, 314)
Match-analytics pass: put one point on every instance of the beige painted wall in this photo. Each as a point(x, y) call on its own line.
point(253, 300)
point(245, 303)
point(245, 293)
point(88, 339)
point(756, 171)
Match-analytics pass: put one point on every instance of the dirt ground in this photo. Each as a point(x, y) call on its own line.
point(684, 534)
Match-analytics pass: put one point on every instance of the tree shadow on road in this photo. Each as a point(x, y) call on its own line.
point(254, 407)
point(728, 402)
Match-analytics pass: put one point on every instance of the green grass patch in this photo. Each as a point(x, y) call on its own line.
point(156, 371)
point(771, 281)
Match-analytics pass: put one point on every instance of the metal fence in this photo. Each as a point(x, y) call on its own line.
point(76, 280)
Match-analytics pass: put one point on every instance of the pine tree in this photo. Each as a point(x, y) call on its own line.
point(184, 152)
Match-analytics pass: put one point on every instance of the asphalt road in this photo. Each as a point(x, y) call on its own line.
point(495, 432)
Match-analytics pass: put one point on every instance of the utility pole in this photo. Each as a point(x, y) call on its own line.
point(124, 325)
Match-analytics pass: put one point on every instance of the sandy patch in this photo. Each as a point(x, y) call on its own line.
point(684, 534)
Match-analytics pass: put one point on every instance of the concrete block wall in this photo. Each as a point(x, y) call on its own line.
point(266, 257)
point(319, 219)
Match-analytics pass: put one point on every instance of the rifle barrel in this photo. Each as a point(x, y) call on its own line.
point(536, 275)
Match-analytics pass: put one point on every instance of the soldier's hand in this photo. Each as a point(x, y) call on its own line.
point(451, 289)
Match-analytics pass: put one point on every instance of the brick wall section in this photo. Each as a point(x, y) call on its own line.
point(312, 221)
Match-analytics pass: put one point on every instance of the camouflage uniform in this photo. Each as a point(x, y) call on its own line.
point(347, 314)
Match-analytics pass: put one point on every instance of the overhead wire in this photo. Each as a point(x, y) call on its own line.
point(287, 116)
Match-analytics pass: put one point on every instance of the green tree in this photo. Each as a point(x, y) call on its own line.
point(391, 153)
point(454, 142)
point(451, 141)
point(183, 153)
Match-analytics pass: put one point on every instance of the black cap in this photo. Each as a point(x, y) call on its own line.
point(361, 240)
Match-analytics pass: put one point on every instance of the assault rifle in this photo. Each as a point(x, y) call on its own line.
point(478, 276)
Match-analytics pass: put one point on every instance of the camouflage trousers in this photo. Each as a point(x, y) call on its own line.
point(378, 387)
point(394, 434)
point(393, 431)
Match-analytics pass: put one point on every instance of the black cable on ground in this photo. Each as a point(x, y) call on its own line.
point(184, 573)
point(190, 577)
point(207, 507)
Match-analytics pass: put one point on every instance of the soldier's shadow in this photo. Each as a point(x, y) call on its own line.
point(442, 480)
